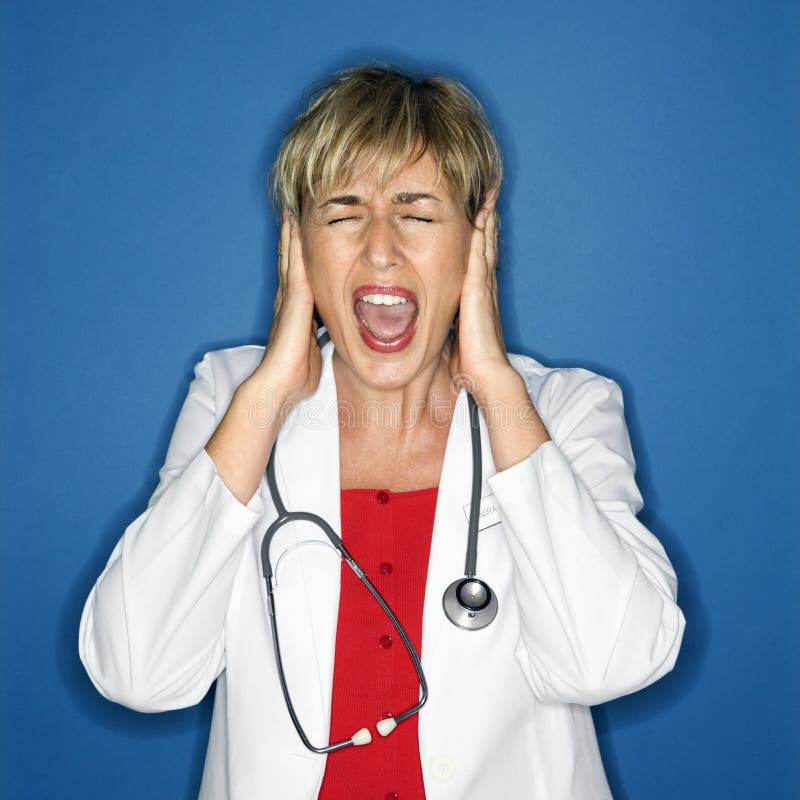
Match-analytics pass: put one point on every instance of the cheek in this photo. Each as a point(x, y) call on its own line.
point(448, 272)
point(461, 249)
point(323, 253)
point(325, 276)
point(316, 258)
point(455, 253)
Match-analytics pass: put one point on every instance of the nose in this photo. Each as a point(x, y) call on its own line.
point(381, 250)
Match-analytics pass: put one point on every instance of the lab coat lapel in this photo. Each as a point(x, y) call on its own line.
point(307, 472)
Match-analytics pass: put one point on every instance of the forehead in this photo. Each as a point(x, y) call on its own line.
point(413, 175)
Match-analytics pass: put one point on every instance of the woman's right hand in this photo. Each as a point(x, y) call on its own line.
point(292, 361)
point(289, 371)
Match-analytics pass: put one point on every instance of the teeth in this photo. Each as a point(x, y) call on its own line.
point(384, 299)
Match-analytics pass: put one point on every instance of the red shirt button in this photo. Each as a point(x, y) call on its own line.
point(392, 796)
point(385, 641)
point(386, 568)
point(386, 715)
point(382, 498)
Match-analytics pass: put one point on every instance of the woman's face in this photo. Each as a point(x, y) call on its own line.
point(386, 267)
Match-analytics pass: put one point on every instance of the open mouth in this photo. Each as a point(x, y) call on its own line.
point(386, 316)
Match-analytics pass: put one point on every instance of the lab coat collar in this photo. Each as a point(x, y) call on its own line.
point(308, 475)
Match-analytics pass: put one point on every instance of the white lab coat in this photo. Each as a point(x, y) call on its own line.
point(587, 599)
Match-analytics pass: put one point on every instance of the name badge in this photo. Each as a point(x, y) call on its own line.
point(489, 514)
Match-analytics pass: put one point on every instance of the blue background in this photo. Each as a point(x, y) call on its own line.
point(651, 234)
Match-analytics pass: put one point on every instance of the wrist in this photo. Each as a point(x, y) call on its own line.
point(515, 428)
point(502, 383)
point(268, 401)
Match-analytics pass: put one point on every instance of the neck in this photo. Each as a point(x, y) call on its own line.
point(395, 413)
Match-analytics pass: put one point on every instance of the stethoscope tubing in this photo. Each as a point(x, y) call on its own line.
point(471, 561)
point(459, 615)
point(283, 518)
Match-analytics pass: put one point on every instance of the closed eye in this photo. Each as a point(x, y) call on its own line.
point(408, 216)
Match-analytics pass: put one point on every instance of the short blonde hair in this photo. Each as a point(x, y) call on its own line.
point(377, 113)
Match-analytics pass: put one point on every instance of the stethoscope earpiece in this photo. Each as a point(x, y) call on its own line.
point(470, 604)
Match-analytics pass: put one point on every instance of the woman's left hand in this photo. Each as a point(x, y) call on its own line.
point(477, 357)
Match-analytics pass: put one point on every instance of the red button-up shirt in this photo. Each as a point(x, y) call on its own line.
point(389, 535)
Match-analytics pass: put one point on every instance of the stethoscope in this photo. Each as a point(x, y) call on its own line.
point(468, 602)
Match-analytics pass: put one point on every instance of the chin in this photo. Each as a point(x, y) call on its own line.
point(380, 373)
point(385, 371)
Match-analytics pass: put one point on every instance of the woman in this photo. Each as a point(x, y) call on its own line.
point(388, 189)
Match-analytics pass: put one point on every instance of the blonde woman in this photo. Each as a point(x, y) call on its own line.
point(403, 425)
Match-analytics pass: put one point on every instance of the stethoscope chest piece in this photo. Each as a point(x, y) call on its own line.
point(469, 603)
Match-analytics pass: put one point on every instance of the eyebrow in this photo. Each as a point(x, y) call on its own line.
point(402, 198)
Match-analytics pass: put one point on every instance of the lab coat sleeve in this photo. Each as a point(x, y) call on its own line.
point(596, 591)
point(152, 633)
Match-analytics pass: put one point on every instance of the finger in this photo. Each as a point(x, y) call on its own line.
point(478, 244)
point(481, 217)
point(487, 208)
point(296, 271)
point(297, 282)
point(490, 240)
point(283, 248)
